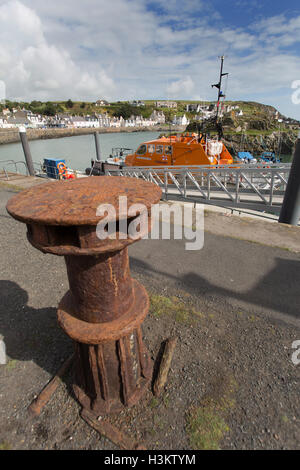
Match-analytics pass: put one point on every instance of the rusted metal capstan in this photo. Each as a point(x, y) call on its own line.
point(104, 308)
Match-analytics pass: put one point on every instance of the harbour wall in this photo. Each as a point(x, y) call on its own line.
point(8, 136)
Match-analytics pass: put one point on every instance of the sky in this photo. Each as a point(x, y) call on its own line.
point(151, 49)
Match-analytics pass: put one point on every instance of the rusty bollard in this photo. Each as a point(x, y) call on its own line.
point(104, 307)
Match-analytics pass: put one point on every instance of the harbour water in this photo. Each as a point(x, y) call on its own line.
point(78, 150)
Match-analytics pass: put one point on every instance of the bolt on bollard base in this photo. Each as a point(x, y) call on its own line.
point(104, 308)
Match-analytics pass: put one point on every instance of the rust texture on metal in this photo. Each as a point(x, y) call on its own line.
point(75, 202)
point(104, 307)
point(164, 366)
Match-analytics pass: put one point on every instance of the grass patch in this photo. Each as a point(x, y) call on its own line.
point(12, 187)
point(206, 429)
point(252, 318)
point(166, 400)
point(5, 446)
point(173, 307)
point(154, 403)
point(11, 364)
point(206, 424)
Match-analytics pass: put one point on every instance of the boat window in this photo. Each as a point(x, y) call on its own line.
point(142, 150)
point(168, 150)
point(151, 148)
point(159, 149)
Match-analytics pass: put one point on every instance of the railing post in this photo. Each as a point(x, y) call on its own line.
point(166, 184)
point(290, 210)
point(237, 182)
point(98, 153)
point(271, 188)
point(26, 149)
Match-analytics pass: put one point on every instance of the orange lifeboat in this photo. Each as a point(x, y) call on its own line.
point(184, 150)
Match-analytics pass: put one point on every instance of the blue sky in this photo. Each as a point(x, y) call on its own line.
point(150, 49)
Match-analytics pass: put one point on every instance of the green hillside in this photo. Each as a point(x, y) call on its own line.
point(256, 117)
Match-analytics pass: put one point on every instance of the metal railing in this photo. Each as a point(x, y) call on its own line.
point(257, 187)
point(9, 169)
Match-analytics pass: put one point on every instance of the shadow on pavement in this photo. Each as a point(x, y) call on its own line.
point(31, 334)
point(277, 290)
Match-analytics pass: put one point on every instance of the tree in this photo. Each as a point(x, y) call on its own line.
point(169, 114)
point(69, 104)
point(126, 110)
point(50, 109)
point(35, 104)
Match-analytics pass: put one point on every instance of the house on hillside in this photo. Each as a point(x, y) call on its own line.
point(102, 103)
point(180, 120)
point(137, 103)
point(158, 117)
point(166, 104)
point(193, 108)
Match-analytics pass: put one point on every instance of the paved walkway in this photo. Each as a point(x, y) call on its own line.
point(247, 292)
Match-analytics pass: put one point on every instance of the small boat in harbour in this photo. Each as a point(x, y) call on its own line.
point(118, 156)
point(246, 157)
point(269, 157)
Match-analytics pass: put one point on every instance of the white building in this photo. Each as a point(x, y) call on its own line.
point(83, 121)
point(158, 117)
point(166, 104)
point(36, 120)
point(115, 122)
point(180, 120)
point(137, 103)
point(102, 103)
point(104, 120)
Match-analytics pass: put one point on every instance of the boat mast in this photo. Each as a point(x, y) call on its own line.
point(219, 87)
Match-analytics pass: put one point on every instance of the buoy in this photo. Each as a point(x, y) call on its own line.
point(62, 169)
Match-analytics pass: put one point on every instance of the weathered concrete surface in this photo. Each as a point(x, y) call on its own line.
point(247, 299)
point(20, 182)
point(250, 229)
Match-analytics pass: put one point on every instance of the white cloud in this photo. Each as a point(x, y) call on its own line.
point(33, 68)
point(123, 50)
point(181, 88)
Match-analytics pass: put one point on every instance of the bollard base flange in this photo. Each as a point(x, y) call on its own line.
point(113, 366)
point(99, 406)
